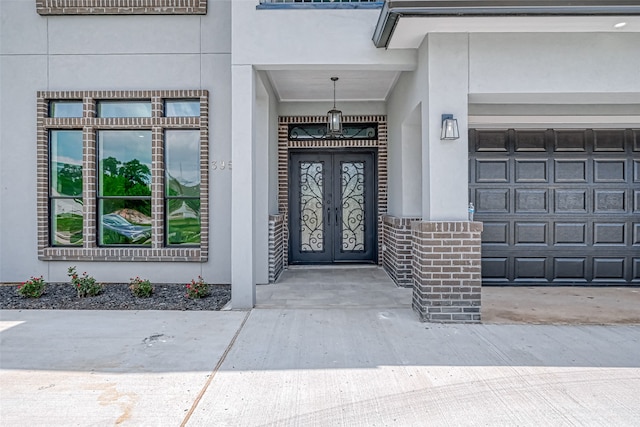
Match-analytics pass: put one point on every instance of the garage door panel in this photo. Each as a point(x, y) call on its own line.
point(492, 170)
point(495, 269)
point(531, 200)
point(608, 269)
point(606, 234)
point(530, 140)
point(530, 233)
point(492, 141)
point(570, 140)
point(636, 139)
point(530, 269)
point(608, 140)
point(636, 171)
point(570, 170)
point(606, 171)
point(495, 233)
point(570, 233)
point(570, 201)
point(636, 235)
point(570, 269)
point(531, 171)
point(492, 201)
point(609, 201)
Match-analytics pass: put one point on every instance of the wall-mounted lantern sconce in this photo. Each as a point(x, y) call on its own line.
point(334, 116)
point(449, 127)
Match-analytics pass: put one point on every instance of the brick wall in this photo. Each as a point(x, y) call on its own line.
point(121, 7)
point(397, 249)
point(276, 246)
point(446, 271)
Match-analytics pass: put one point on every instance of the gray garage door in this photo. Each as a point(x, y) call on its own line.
point(558, 206)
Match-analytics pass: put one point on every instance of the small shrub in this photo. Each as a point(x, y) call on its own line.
point(84, 285)
point(197, 288)
point(32, 288)
point(140, 287)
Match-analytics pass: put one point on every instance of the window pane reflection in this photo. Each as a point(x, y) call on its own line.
point(125, 222)
point(182, 163)
point(182, 108)
point(183, 221)
point(66, 162)
point(124, 109)
point(125, 163)
point(65, 109)
point(182, 186)
point(66, 222)
point(124, 187)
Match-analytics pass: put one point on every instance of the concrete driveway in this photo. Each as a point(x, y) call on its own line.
point(310, 367)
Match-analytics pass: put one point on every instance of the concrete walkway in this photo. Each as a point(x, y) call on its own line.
point(350, 365)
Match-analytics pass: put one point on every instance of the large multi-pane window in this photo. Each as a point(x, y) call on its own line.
point(125, 173)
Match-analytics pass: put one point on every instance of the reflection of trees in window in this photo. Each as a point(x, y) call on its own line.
point(130, 178)
point(69, 179)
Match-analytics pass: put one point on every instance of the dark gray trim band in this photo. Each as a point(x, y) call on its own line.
point(393, 10)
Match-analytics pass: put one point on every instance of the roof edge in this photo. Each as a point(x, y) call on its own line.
point(393, 10)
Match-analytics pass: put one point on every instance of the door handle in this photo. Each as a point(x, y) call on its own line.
point(336, 215)
point(328, 215)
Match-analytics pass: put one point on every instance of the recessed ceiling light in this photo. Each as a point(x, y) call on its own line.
point(620, 25)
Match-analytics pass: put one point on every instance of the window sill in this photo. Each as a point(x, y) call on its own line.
point(123, 254)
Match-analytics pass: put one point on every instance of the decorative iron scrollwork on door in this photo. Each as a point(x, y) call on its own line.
point(311, 206)
point(353, 205)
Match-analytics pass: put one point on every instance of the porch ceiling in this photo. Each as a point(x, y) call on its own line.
point(316, 85)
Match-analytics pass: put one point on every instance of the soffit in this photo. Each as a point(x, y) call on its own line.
point(316, 85)
point(409, 31)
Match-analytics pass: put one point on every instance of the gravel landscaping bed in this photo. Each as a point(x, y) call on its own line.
point(62, 296)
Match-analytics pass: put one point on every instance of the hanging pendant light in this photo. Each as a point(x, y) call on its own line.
point(334, 116)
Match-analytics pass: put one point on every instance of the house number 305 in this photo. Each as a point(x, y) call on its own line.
point(220, 165)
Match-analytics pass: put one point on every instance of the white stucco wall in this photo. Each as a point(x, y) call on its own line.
point(408, 96)
point(280, 39)
point(578, 70)
point(117, 53)
point(554, 63)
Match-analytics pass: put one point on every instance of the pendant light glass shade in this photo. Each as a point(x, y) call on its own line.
point(334, 122)
point(334, 116)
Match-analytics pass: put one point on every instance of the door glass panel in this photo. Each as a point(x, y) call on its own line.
point(353, 206)
point(311, 207)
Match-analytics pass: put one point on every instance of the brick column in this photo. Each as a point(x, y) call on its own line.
point(397, 249)
point(446, 271)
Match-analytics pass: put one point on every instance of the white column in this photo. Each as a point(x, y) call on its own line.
point(243, 285)
point(445, 163)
